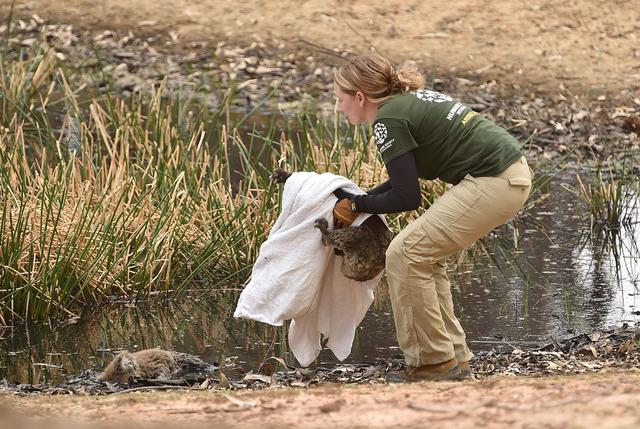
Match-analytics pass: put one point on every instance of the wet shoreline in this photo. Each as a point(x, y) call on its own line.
point(583, 353)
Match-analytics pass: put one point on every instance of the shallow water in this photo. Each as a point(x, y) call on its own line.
point(561, 280)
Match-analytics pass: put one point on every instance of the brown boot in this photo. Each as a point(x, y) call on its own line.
point(465, 369)
point(444, 371)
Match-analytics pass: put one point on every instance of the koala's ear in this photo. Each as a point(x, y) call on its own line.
point(116, 361)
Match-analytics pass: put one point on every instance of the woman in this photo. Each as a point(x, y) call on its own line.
point(426, 134)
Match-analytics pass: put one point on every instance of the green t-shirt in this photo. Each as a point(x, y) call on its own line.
point(449, 139)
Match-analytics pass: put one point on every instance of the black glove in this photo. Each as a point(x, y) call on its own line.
point(342, 194)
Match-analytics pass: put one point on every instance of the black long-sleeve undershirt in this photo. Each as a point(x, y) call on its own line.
point(398, 194)
point(383, 187)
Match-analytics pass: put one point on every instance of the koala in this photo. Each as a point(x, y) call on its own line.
point(362, 247)
point(153, 364)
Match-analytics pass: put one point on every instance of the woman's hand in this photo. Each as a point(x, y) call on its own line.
point(343, 215)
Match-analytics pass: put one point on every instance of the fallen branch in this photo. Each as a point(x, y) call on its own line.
point(323, 49)
point(136, 389)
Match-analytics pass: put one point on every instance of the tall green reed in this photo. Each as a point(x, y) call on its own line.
point(609, 192)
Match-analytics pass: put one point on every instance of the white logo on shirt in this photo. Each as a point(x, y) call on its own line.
point(380, 133)
point(456, 109)
point(431, 96)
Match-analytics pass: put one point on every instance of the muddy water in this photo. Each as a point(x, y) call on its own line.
point(561, 280)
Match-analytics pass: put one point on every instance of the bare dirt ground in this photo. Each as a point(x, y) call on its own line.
point(590, 47)
point(603, 400)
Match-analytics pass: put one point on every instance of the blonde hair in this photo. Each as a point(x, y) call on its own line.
point(377, 78)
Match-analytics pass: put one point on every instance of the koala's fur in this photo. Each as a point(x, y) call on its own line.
point(363, 247)
point(153, 364)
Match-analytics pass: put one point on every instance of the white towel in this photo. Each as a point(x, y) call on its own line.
point(297, 277)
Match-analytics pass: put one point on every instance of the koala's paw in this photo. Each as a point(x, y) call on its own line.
point(279, 176)
point(321, 224)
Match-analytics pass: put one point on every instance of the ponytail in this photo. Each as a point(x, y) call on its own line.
point(377, 78)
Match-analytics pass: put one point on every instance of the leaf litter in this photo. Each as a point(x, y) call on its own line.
point(583, 353)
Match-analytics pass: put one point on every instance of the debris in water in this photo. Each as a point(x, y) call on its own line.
point(616, 348)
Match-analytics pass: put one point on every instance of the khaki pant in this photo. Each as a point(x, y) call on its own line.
point(428, 331)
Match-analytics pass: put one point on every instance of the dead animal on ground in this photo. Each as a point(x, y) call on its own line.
point(154, 364)
point(363, 247)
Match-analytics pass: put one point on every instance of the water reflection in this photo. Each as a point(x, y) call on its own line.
point(560, 280)
point(609, 264)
